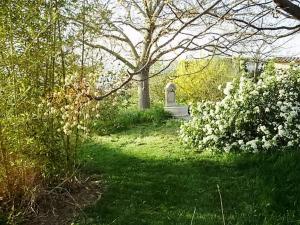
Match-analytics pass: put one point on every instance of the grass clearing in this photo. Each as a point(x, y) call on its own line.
point(151, 178)
point(127, 118)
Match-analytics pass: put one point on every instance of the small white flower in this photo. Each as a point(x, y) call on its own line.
point(228, 88)
point(281, 92)
point(267, 145)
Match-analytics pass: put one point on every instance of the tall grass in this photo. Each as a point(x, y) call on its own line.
point(128, 118)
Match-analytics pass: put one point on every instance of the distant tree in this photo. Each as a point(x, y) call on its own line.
point(200, 79)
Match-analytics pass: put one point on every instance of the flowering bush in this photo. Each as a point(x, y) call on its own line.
point(41, 129)
point(252, 117)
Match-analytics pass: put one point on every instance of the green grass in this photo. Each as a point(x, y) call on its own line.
point(127, 118)
point(150, 178)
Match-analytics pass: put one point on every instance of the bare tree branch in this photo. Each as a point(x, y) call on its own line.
point(115, 54)
point(140, 33)
point(124, 83)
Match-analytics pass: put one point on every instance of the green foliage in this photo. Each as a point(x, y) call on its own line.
point(157, 87)
point(254, 115)
point(44, 102)
point(199, 80)
point(124, 119)
point(152, 179)
point(28, 141)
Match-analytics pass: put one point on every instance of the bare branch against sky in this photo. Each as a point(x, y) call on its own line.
point(141, 33)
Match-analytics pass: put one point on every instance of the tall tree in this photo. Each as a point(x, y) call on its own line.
point(140, 33)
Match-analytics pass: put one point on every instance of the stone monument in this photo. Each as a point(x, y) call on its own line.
point(170, 95)
point(178, 111)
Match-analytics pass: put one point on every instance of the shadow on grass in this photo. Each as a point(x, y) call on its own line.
point(256, 189)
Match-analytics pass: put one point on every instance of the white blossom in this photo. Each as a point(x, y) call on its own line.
point(253, 117)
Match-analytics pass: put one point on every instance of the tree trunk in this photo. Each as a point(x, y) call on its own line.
point(289, 7)
point(144, 90)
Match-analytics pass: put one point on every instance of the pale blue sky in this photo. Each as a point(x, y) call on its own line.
point(292, 47)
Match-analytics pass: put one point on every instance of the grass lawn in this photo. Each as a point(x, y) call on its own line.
point(150, 178)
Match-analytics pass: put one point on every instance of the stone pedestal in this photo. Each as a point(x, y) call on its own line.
point(178, 111)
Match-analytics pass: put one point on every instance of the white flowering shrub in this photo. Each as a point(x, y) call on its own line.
point(252, 117)
point(71, 107)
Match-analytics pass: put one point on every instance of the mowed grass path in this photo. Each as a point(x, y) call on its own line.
point(150, 178)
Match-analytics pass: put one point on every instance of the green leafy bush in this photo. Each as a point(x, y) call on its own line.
point(158, 84)
point(253, 116)
point(45, 103)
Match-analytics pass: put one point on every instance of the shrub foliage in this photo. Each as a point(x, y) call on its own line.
point(198, 80)
point(253, 116)
point(45, 108)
